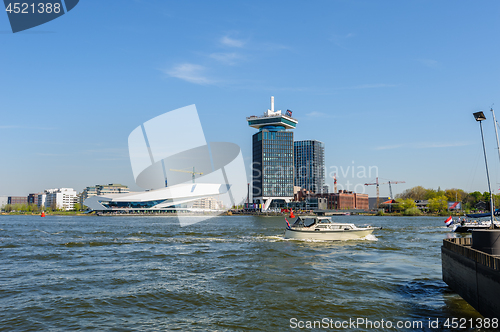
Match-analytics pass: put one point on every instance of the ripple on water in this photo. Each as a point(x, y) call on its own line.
point(228, 273)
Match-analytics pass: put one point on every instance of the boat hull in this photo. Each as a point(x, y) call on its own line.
point(469, 228)
point(327, 235)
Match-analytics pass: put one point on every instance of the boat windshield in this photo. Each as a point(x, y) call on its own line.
point(298, 222)
point(306, 222)
point(309, 222)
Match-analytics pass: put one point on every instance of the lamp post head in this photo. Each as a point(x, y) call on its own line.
point(479, 116)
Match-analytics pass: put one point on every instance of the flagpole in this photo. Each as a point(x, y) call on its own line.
point(492, 208)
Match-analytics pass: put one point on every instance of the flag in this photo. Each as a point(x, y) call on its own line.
point(287, 223)
point(288, 113)
point(448, 221)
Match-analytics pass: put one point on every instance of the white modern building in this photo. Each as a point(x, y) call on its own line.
point(159, 199)
point(61, 198)
point(207, 203)
point(3, 201)
point(99, 189)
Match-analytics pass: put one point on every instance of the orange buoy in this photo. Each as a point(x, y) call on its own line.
point(291, 214)
point(43, 214)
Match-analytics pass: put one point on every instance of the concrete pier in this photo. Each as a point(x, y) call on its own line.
point(472, 274)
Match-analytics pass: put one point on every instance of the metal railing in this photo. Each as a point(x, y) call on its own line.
point(462, 246)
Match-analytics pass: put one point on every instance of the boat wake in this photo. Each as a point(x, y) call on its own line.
point(369, 237)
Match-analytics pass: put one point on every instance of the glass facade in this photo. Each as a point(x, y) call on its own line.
point(309, 165)
point(272, 162)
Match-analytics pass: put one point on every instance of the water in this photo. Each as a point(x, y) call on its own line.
point(62, 273)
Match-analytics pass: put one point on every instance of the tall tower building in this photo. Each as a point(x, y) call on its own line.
point(272, 167)
point(309, 159)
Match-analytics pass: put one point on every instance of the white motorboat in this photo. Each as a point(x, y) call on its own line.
point(323, 228)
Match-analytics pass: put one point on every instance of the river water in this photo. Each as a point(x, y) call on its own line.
point(232, 273)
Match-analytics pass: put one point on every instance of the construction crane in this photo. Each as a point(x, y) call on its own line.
point(378, 190)
point(193, 172)
point(334, 183)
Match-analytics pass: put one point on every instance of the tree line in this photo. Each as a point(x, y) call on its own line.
point(34, 208)
point(438, 199)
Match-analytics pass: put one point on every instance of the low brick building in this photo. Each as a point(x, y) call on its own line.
point(343, 200)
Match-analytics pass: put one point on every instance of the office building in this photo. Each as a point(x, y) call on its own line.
point(3, 201)
point(17, 200)
point(309, 160)
point(100, 189)
point(61, 198)
point(272, 156)
point(33, 199)
point(206, 203)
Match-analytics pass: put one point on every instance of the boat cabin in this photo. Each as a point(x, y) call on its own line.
point(321, 223)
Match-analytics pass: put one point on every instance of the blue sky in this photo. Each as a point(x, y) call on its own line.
point(387, 84)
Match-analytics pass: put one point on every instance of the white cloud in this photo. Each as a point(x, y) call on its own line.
point(226, 58)
point(232, 42)
point(190, 72)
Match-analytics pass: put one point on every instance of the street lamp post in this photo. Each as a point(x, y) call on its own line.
point(479, 116)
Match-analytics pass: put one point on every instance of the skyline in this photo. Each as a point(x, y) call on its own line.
point(386, 85)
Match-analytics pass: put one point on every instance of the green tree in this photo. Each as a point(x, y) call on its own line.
point(455, 195)
point(496, 201)
point(430, 193)
point(407, 204)
point(477, 196)
point(438, 204)
point(77, 207)
point(486, 196)
point(415, 193)
point(414, 211)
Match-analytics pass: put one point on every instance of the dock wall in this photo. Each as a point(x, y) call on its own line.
point(474, 275)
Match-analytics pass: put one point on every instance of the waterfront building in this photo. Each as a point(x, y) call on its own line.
point(206, 203)
point(272, 157)
point(346, 200)
point(61, 198)
point(3, 201)
point(17, 200)
point(171, 198)
point(309, 161)
point(33, 199)
point(99, 189)
point(111, 188)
